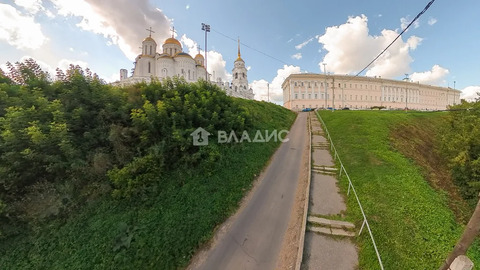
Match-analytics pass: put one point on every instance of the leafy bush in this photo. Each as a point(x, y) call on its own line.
point(461, 143)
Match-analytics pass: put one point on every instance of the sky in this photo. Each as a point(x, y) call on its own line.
point(278, 37)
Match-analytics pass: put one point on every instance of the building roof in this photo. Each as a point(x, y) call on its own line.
point(172, 41)
point(182, 54)
point(149, 39)
point(199, 56)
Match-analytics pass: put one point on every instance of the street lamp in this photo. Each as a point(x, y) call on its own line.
point(206, 28)
point(326, 91)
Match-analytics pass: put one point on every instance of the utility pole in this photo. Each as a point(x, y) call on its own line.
point(333, 94)
point(268, 92)
point(206, 28)
point(326, 91)
point(406, 91)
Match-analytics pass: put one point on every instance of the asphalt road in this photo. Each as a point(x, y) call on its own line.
point(254, 239)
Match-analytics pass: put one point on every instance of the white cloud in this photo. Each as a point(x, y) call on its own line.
point(19, 30)
point(297, 56)
point(216, 65)
point(350, 48)
point(470, 93)
point(436, 76)
point(187, 7)
point(123, 22)
point(303, 44)
point(404, 22)
point(32, 6)
point(432, 21)
point(260, 88)
point(64, 64)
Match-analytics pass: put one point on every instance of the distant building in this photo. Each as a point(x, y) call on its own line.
point(310, 90)
point(174, 62)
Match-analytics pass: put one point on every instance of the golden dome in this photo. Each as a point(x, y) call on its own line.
point(149, 39)
point(172, 41)
point(199, 56)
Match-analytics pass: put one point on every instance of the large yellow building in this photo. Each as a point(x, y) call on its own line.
point(309, 90)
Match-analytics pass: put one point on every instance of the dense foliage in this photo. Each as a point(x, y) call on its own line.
point(59, 141)
point(96, 176)
point(461, 143)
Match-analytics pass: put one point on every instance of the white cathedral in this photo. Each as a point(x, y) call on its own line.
point(174, 62)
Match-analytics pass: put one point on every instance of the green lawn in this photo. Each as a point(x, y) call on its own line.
point(160, 232)
point(411, 222)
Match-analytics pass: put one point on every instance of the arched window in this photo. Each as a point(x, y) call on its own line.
point(170, 51)
point(149, 67)
point(145, 52)
point(150, 49)
point(236, 77)
point(189, 75)
point(164, 73)
point(243, 75)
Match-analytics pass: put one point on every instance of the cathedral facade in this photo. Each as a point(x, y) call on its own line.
point(172, 61)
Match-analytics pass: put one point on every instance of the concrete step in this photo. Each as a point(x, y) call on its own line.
point(330, 223)
point(324, 172)
point(331, 231)
point(325, 168)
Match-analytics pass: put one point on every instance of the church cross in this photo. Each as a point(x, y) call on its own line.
point(173, 31)
point(151, 31)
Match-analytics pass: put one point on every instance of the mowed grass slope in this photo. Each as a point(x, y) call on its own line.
point(411, 221)
point(159, 232)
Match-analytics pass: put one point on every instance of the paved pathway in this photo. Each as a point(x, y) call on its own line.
point(254, 238)
point(322, 250)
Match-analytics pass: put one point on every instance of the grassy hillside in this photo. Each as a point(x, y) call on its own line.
point(162, 232)
point(412, 223)
point(98, 177)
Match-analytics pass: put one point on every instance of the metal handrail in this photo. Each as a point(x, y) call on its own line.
point(351, 187)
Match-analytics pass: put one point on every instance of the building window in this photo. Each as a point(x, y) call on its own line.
point(151, 50)
point(303, 96)
point(296, 96)
point(149, 67)
point(302, 83)
point(295, 83)
point(316, 96)
point(309, 96)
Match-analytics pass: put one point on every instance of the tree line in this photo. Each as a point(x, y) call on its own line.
point(68, 140)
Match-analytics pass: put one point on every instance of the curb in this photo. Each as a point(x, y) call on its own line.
point(307, 196)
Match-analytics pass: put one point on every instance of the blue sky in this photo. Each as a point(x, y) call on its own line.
point(105, 35)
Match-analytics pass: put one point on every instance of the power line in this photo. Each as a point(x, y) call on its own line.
point(267, 55)
point(399, 35)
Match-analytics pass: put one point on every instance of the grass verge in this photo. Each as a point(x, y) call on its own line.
point(413, 226)
point(158, 232)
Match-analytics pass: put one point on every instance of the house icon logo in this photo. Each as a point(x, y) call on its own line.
point(200, 137)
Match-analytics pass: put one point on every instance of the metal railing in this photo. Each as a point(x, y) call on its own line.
point(352, 188)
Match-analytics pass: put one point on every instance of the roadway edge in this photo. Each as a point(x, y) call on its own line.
point(301, 243)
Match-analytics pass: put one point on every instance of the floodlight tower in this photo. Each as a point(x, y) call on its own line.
point(206, 28)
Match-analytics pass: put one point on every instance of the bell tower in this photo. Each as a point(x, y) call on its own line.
point(239, 72)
